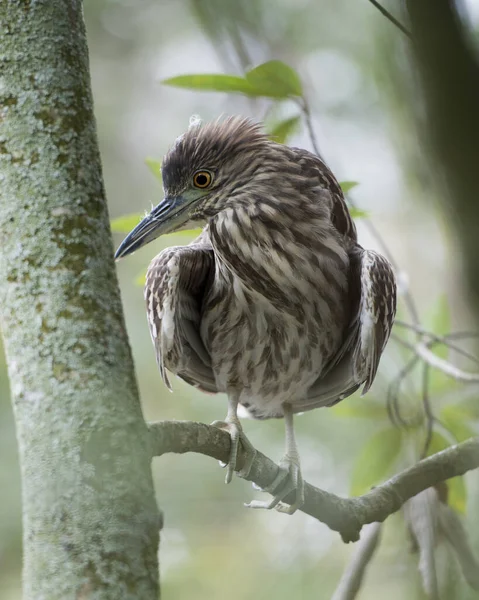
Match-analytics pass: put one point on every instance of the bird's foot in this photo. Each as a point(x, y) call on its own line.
point(233, 427)
point(288, 479)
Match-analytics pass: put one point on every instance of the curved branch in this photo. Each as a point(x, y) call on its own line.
point(443, 365)
point(345, 515)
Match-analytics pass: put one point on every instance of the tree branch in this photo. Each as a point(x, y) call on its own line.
point(344, 515)
point(353, 575)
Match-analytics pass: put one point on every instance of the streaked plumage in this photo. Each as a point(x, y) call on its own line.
point(275, 303)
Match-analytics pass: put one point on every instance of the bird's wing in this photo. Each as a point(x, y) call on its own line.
point(376, 313)
point(373, 295)
point(312, 165)
point(176, 282)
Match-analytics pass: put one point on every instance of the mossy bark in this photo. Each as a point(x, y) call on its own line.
point(90, 518)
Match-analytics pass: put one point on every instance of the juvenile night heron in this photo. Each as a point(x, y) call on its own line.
point(275, 303)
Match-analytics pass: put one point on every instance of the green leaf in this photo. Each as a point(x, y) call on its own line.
point(347, 186)
point(283, 130)
point(376, 460)
point(457, 420)
point(358, 213)
point(457, 496)
point(363, 410)
point(437, 444)
point(438, 320)
point(471, 407)
point(191, 234)
point(125, 223)
point(440, 316)
point(155, 167)
point(141, 279)
point(275, 79)
point(213, 83)
point(456, 486)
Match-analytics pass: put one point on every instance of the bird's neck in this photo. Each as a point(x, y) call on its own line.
point(283, 257)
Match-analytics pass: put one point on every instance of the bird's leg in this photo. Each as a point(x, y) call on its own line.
point(233, 426)
point(289, 478)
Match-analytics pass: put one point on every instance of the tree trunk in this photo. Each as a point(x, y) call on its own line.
point(449, 70)
point(89, 514)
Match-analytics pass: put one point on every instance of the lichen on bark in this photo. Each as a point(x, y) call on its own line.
point(90, 519)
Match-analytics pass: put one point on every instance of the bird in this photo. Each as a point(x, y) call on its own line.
point(275, 303)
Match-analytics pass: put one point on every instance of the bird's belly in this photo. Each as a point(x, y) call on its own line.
point(265, 357)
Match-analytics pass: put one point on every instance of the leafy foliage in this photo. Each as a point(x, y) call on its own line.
point(360, 410)
point(457, 419)
point(439, 321)
point(347, 186)
point(283, 130)
point(125, 223)
point(154, 166)
point(376, 459)
point(210, 82)
point(358, 213)
point(273, 79)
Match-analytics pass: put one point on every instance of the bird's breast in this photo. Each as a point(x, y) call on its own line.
point(267, 355)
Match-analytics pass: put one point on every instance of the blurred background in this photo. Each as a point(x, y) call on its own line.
point(355, 69)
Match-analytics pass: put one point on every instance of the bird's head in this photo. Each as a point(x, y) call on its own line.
point(209, 167)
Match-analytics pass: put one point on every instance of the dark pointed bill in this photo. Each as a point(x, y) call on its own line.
point(158, 222)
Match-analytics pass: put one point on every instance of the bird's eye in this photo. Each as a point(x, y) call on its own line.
point(202, 179)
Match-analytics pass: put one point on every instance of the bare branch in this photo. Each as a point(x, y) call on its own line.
point(426, 402)
point(421, 515)
point(443, 365)
point(423, 351)
point(345, 515)
point(353, 575)
point(390, 18)
point(445, 340)
point(304, 106)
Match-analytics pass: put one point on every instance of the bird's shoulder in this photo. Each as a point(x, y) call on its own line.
point(186, 267)
point(315, 168)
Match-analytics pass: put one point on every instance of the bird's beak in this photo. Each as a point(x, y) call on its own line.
point(164, 218)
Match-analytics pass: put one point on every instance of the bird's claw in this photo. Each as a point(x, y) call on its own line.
point(236, 434)
point(288, 479)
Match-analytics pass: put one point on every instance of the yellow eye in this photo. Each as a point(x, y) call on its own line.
point(202, 179)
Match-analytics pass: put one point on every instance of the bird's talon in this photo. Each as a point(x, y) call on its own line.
point(235, 431)
point(287, 480)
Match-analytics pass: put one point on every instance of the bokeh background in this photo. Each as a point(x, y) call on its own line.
point(363, 96)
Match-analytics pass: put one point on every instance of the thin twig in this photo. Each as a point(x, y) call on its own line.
point(426, 402)
point(445, 366)
point(395, 385)
point(347, 516)
point(443, 339)
point(304, 106)
point(392, 19)
point(392, 402)
point(353, 575)
point(423, 351)
point(421, 515)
